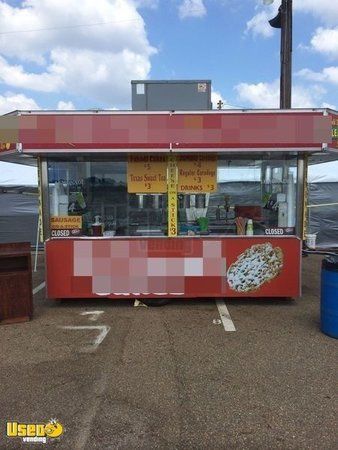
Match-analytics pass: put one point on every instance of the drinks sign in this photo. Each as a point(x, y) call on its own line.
point(197, 173)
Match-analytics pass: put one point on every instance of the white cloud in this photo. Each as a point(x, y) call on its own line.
point(327, 75)
point(266, 95)
point(96, 61)
point(329, 105)
point(11, 102)
point(324, 10)
point(16, 76)
point(260, 95)
point(152, 4)
point(259, 25)
point(216, 96)
point(65, 105)
point(309, 74)
point(191, 8)
point(325, 40)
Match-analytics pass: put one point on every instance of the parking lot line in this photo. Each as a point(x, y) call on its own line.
point(93, 345)
point(93, 315)
point(38, 288)
point(225, 316)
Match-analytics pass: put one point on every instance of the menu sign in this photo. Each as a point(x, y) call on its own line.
point(5, 146)
point(197, 173)
point(65, 226)
point(172, 196)
point(147, 173)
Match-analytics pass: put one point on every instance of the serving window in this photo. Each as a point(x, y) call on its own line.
point(90, 197)
point(261, 190)
point(128, 196)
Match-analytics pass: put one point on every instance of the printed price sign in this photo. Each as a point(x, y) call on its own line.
point(197, 173)
point(147, 174)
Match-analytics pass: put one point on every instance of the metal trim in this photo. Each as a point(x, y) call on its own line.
point(174, 150)
point(45, 199)
point(300, 195)
point(216, 111)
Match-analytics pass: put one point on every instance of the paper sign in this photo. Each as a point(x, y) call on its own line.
point(197, 173)
point(65, 226)
point(147, 174)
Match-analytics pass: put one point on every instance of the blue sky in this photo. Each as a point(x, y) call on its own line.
point(83, 53)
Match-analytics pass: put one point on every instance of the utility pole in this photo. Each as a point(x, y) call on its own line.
point(286, 55)
point(284, 21)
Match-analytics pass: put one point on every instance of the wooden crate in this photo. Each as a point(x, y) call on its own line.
point(16, 298)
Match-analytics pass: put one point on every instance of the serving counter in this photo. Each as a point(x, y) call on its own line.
point(173, 267)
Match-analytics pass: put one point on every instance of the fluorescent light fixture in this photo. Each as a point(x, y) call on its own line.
point(268, 2)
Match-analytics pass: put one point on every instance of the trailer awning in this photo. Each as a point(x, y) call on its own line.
point(42, 132)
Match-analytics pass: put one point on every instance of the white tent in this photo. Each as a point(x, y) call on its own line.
point(324, 173)
point(17, 175)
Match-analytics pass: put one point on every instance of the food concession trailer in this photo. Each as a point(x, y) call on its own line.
point(159, 205)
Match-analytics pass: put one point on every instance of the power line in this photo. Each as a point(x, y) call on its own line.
point(69, 26)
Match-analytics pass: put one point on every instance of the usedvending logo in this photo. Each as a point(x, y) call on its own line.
point(35, 432)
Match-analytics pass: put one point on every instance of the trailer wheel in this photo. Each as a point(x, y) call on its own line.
point(155, 301)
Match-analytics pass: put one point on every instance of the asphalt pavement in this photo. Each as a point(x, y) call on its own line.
point(123, 377)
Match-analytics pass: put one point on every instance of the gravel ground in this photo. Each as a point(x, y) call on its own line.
point(171, 378)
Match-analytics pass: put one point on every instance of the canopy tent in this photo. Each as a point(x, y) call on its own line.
point(17, 175)
point(323, 173)
point(18, 203)
point(323, 203)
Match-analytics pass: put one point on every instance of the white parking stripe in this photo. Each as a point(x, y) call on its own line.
point(94, 315)
point(225, 316)
point(92, 346)
point(38, 288)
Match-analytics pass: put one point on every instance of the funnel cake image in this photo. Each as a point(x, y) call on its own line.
point(255, 267)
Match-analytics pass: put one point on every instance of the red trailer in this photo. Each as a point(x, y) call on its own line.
point(160, 205)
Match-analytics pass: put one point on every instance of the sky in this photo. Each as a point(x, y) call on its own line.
point(82, 54)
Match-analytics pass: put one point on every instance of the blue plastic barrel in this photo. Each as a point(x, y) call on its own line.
point(329, 297)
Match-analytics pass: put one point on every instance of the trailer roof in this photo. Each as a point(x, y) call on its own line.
point(36, 132)
point(101, 111)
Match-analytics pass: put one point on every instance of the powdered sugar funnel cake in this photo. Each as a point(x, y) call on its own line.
point(258, 265)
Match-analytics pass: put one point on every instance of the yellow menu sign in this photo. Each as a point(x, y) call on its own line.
point(5, 146)
point(147, 173)
point(197, 173)
point(172, 195)
point(65, 222)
